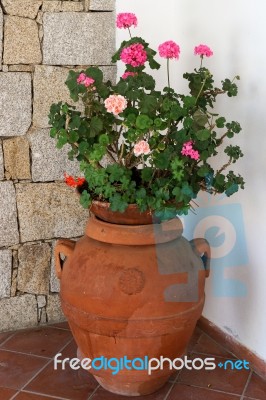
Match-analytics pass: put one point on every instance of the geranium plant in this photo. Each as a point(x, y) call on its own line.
point(159, 144)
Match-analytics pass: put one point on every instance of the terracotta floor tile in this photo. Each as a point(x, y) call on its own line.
point(17, 369)
point(39, 341)
point(184, 392)
point(232, 381)
point(68, 383)
point(70, 351)
point(61, 325)
point(256, 387)
point(208, 346)
point(30, 396)
point(6, 393)
point(195, 338)
point(4, 336)
point(102, 394)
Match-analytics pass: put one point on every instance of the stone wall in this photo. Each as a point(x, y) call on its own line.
point(39, 41)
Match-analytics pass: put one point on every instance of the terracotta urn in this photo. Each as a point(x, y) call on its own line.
point(132, 289)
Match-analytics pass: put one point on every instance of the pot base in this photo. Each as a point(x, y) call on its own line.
point(131, 388)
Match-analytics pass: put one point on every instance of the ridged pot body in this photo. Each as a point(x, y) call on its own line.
point(132, 291)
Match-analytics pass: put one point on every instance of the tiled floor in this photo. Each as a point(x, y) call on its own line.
point(27, 373)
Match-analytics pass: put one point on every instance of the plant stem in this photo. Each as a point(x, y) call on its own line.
point(224, 166)
point(168, 73)
point(129, 33)
point(202, 86)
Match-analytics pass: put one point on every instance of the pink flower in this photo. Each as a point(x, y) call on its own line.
point(126, 20)
point(203, 50)
point(85, 80)
point(169, 49)
point(128, 73)
point(134, 55)
point(81, 77)
point(88, 81)
point(115, 104)
point(141, 147)
point(188, 151)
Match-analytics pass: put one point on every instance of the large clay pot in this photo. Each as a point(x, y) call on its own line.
point(135, 291)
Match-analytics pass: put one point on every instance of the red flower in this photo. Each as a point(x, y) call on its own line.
point(73, 182)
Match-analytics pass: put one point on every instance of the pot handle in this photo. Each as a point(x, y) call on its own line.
point(66, 247)
point(202, 249)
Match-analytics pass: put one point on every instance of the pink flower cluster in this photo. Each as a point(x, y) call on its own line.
point(115, 104)
point(126, 20)
point(188, 150)
point(128, 73)
point(134, 55)
point(169, 49)
point(141, 147)
point(85, 80)
point(203, 50)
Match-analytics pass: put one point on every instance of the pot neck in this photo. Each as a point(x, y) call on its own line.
point(132, 235)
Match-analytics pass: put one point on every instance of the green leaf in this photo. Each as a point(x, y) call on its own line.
point(143, 122)
point(117, 203)
point(148, 104)
point(53, 132)
point(73, 136)
point(203, 134)
point(162, 160)
point(189, 101)
point(83, 147)
point(146, 174)
point(104, 140)
point(233, 188)
point(200, 118)
point(85, 199)
point(220, 179)
point(220, 122)
point(187, 190)
point(204, 170)
point(95, 73)
point(75, 122)
point(96, 126)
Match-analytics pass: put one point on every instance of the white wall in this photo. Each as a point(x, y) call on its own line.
point(236, 32)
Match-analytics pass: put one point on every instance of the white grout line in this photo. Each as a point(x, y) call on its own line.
point(26, 354)
point(246, 385)
point(93, 393)
point(40, 370)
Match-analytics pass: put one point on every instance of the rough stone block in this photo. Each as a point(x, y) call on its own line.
point(21, 41)
point(54, 281)
point(69, 6)
point(48, 162)
point(18, 312)
point(17, 158)
point(1, 35)
point(1, 163)
point(8, 215)
point(5, 272)
point(41, 300)
point(102, 5)
point(21, 68)
point(49, 87)
point(49, 210)
point(15, 103)
point(22, 8)
point(53, 309)
point(92, 43)
point(51, 6)
point(34, 268)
